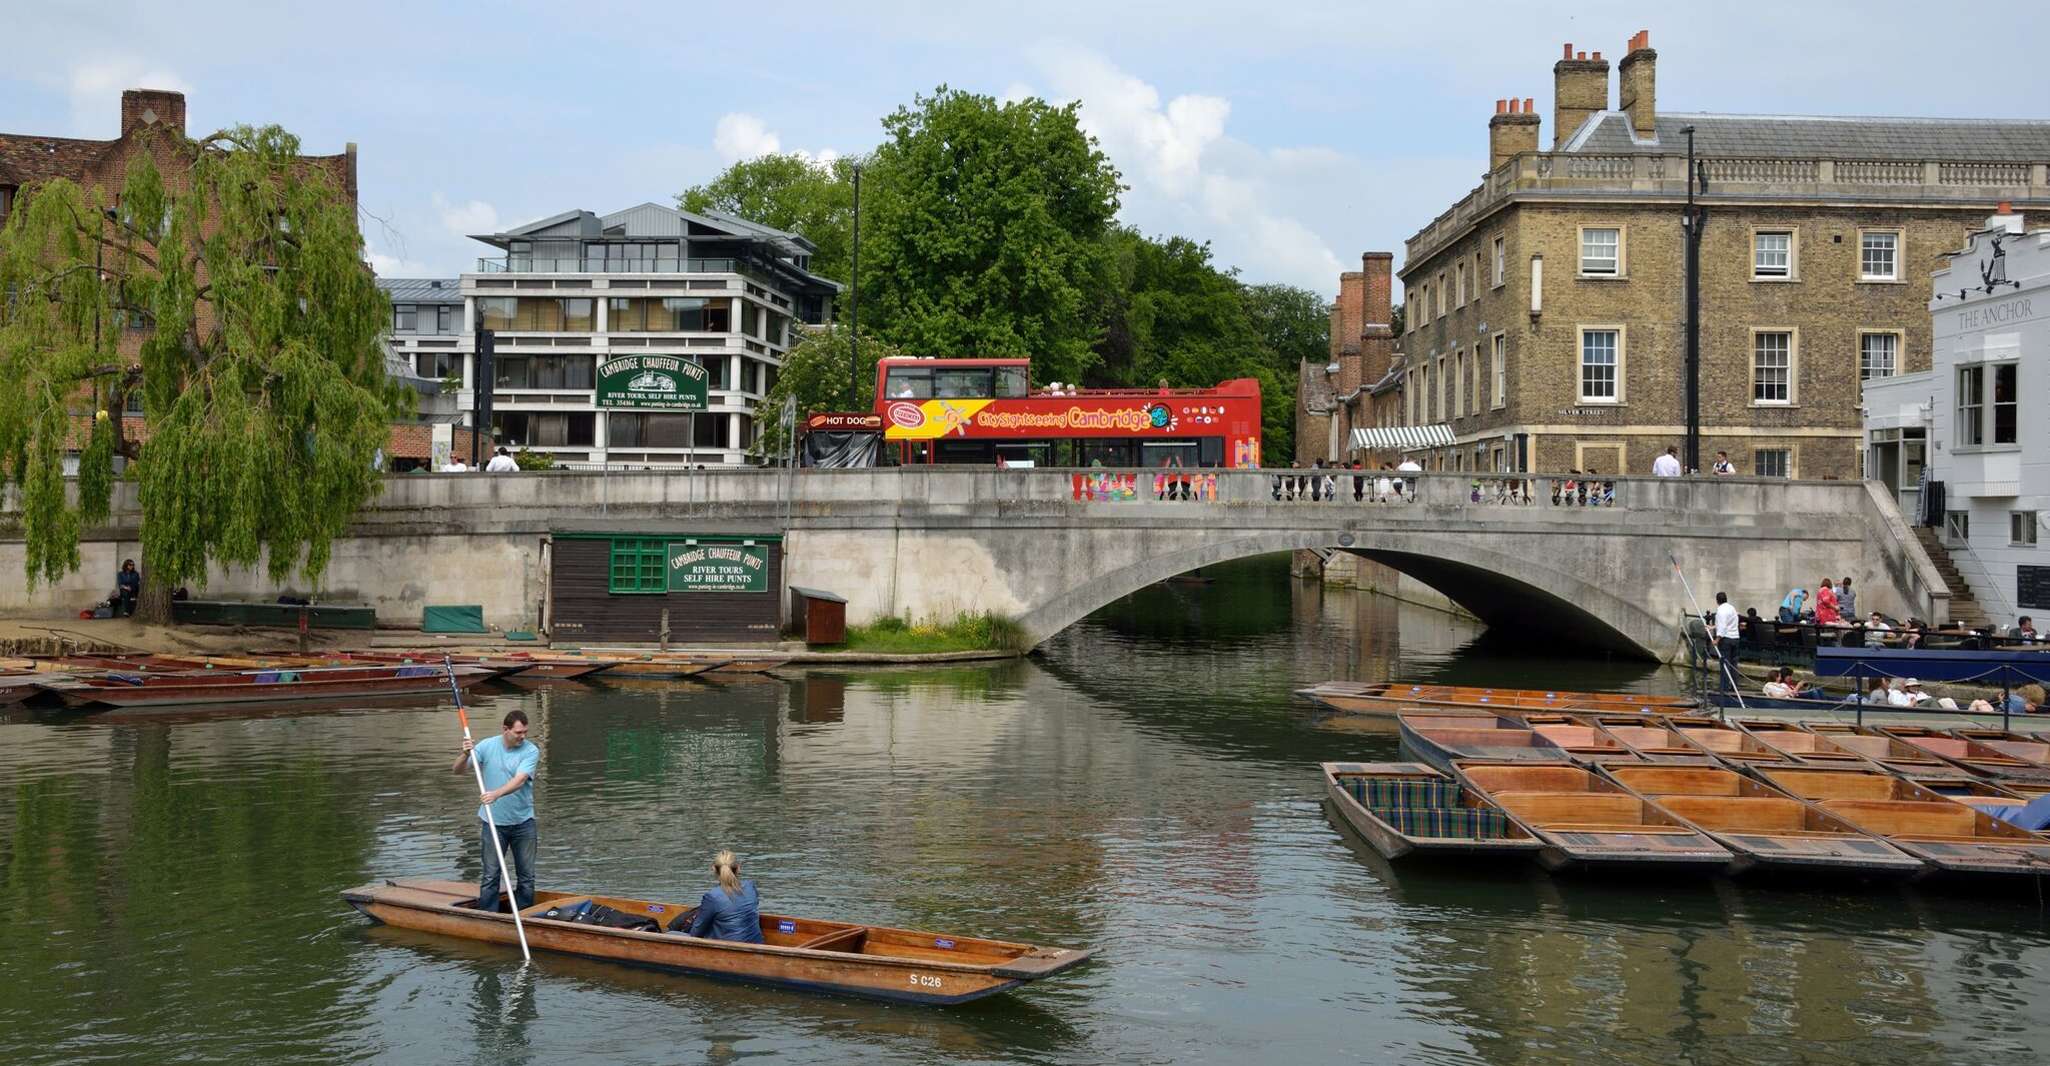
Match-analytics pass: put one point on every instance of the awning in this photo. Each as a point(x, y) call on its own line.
point(1401, 438)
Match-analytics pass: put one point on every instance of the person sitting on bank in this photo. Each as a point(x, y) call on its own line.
point(1782, 686)
point(732, 910)
point(128, 585)
point(1878, 697)
point(1876, 630)
point(1791, 607)
point(1908, 694)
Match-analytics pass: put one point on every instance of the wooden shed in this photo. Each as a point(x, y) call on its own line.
point(615, 586)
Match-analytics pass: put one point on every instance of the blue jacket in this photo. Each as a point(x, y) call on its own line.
point(724, 917)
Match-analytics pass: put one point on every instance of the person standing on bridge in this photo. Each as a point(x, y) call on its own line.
point(1667, 465)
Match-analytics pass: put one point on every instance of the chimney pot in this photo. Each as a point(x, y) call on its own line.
point(1530, 105)
point(1580, 55)
point(1569, 51)
point(2005, 208)
point(1597, 55)
point(1501, 106)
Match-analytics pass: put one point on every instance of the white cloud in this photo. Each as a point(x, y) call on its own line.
point(392, 266)
point(96, 85)
point(740, 137)
point(467, 218)
point(1188, 176)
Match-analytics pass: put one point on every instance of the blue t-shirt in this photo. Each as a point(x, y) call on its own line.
point(500, 766)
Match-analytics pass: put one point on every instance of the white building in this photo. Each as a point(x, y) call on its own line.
point(1957, 442)
point(428, 344)
point(576, 289)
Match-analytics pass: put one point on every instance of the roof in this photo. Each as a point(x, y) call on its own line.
point(26, 159)
point(1811, 136)
point(422, 290)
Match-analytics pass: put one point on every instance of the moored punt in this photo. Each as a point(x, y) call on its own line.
point(1885, 753)
point(1726, 742)
point(1392, 698)
point(2031, 747)
point(1984, 795)
point(1581, 740)
point(746, 666)
point(1767, 829)
point(1652, 739)
point(1403, 807)
point(1951, 836)
point(1589, 821)
point(1983, 759)
point(1800, 745)
point(1438, 739)
point(15, 688)
point(257, 686)
point(857, 960)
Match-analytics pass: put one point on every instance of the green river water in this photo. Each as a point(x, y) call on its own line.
point(1146, 787)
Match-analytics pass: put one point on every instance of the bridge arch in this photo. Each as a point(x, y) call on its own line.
point(1503, 590)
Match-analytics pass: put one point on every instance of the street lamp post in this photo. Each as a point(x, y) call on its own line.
point(854, 305)
point(1694, 220)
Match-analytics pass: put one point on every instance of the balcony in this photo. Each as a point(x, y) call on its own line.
point(524, 264)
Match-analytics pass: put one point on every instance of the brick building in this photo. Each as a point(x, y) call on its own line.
point(1546, 311)
point(1358, 387)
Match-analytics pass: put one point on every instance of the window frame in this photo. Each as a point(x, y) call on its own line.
point(1622, 257)
point(1501, 267)
point(1970, 401)
point(447, 318)
point(1957, 528)
point(1900, 240)
point(1621, 355)
point(1458, 382)
point(1758, 467)
point(1440, 287)
point(405, 318)
point(2017, 521)
point(1459, 283)
point(1793, 367)
point(635, 553)
point(1900, 342)
point(1499, 349)
point(1792, 269)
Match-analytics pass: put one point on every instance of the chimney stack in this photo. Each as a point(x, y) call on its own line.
point(1512, 132)
point(1635, 84)
point(1580, 88)
point(152, 107)
point(1377, 336)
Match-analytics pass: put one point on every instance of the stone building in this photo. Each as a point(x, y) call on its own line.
point(1546, 309)
point(1336, 399)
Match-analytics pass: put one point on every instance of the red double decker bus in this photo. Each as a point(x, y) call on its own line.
point(986, 411)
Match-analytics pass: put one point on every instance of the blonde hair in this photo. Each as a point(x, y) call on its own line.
point(728, 869)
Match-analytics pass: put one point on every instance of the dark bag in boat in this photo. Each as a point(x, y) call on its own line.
point(605, 917)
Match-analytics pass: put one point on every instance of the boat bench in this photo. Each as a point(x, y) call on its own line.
point(1558, 809)
point(1909, 818)
point(1741, 814)
point(1427, 807)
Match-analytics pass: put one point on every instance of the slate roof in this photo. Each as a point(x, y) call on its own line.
point(1818, 137)
point(422, 290)
point(25, 158)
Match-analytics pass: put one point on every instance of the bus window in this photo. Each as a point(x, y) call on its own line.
point(1212, 449)
point(961, 383)
point(1011, 382)
point(909, 383)
point(1168, 453)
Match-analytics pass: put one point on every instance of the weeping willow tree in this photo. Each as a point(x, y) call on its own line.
point(234, 299)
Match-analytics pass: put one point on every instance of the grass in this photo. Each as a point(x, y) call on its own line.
point(967, 632)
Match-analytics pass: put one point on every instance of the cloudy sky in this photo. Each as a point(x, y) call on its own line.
point(1291, 135)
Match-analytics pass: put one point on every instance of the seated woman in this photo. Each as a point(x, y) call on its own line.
point(1782, 686)
point(729, 912)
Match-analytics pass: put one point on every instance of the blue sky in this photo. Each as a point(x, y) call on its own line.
point(1292, 136)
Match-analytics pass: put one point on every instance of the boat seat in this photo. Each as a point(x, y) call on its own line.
point(1554, 809)
point(847, 940)
point(1909, 818)
point(1754, 814)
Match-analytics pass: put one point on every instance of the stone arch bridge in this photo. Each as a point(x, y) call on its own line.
point(1048, 546)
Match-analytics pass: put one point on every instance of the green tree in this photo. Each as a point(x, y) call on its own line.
point(983, 232)
point(262, 377)
point(790, 192)
point(1293, 323)
point(816, 372)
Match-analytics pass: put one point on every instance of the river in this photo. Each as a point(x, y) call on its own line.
point(1146, 787)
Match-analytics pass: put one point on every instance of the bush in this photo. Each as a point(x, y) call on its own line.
point(534, 460)
point(967, 632)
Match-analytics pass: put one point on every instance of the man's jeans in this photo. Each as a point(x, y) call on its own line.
point(519, 844)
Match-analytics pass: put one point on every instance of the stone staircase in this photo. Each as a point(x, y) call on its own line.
point(1963, 606)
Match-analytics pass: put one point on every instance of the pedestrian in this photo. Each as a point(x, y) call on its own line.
point(508, 761)
point(454, 466)
point(1359, 481)
point(1825, 605)
point(1722, 467)
point(128, 584)
point(1846, 600)
point(1724, 636)
point(1667, 465)
point(502, 463)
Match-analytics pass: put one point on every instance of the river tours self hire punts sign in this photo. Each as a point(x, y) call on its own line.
point(718, 567)
point(652, 382)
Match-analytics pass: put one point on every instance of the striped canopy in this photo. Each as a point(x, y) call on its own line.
point(1378, 438)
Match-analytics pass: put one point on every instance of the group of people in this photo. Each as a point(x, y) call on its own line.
point(1833, 604)
point(1326, 482)
point(501, 463)
point(730, 910)
point(1668, 464)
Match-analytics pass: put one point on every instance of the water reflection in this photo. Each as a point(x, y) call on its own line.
point(1147, 787)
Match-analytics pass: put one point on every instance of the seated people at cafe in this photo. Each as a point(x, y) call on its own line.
point(1876, 630)
point(1790, 607)
point(732, 910)
point(1907, 694)
point(1878, 696)
point(2025, 629)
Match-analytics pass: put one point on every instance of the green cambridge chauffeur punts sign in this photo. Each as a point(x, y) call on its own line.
point(654, 382)
point(721, 567)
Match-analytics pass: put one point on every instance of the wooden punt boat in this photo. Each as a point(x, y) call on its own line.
point(15, 688)
point(1404, 808)
point(1799, 745)
point(1983, 759)
point(747, 666)
point(1440, 739)
point(2034, 748)
point(1653, 740)
point(257, 686)
point(1392, 698)
point(1726, 742)
point(1984, 795)
point(1952, 837)
point(1885, 753)
point(1588, 821)
point(857, 960)
point(1583, 741)
point(1768, 830)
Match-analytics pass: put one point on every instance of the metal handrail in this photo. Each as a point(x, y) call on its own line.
point(526, 264)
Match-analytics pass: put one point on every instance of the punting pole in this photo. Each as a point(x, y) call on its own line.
point(1713, 644)
point(506, 876)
